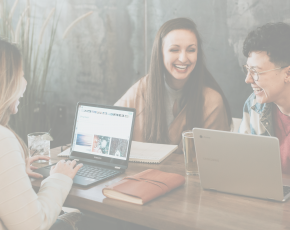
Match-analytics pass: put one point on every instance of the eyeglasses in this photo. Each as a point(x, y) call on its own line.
point(255, 74)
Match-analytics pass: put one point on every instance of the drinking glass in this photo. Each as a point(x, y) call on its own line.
point(189, 153)
point(39, 144)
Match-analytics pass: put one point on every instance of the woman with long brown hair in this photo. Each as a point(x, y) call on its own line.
point(179, 93)
point(20, 207)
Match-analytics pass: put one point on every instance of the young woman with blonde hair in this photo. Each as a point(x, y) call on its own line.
point(179, 92)
point(20, 207)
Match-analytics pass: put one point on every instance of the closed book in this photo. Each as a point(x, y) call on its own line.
point(144, 186)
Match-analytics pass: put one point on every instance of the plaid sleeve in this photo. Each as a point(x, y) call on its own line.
point(246, 126)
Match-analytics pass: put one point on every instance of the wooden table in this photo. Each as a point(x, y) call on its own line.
point(187, 207)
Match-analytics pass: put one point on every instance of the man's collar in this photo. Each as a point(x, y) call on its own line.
point(262, 109)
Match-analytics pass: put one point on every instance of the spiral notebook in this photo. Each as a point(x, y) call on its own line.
point(143, 152)
point(149, 152)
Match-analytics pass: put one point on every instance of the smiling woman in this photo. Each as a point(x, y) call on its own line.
point(21, 207)
point(178, 93)
point(180, 56)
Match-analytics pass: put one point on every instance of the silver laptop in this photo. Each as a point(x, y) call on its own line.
point(241, 164)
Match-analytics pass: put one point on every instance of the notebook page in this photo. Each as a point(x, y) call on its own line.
point(65, 153)
point(148, 152)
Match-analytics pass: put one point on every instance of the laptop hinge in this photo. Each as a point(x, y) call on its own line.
point(117, 167)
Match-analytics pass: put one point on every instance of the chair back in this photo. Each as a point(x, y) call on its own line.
point(236, 125)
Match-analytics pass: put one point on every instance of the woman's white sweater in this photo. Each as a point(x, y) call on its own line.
point(20, 207)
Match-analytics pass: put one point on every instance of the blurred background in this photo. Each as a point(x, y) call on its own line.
point(107, 51)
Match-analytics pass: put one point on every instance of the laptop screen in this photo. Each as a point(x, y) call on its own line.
point(103, 133)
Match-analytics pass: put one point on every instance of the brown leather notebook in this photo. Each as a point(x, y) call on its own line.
point(144, 186)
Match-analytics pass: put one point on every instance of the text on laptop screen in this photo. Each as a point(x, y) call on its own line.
point(102, 132)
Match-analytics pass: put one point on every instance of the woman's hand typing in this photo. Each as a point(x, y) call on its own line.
point(68, 168)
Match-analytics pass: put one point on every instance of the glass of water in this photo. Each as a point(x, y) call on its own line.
point(189, 153)
point(39, 144)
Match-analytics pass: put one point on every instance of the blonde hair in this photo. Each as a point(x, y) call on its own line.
point(10, 84)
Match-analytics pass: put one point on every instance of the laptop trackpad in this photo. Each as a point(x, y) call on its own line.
point(83, 180)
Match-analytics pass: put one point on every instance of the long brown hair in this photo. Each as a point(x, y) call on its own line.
point(156, 129)
point(10, 79)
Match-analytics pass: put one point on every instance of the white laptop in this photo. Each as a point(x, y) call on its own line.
point(241, 164)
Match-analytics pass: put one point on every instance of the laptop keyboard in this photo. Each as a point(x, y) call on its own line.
point(96, 172)
point(286, 190)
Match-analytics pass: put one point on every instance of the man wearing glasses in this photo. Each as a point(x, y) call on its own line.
point(267, 110)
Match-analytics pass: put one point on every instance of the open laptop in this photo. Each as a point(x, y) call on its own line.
point(241, 164)
point(101, 140)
